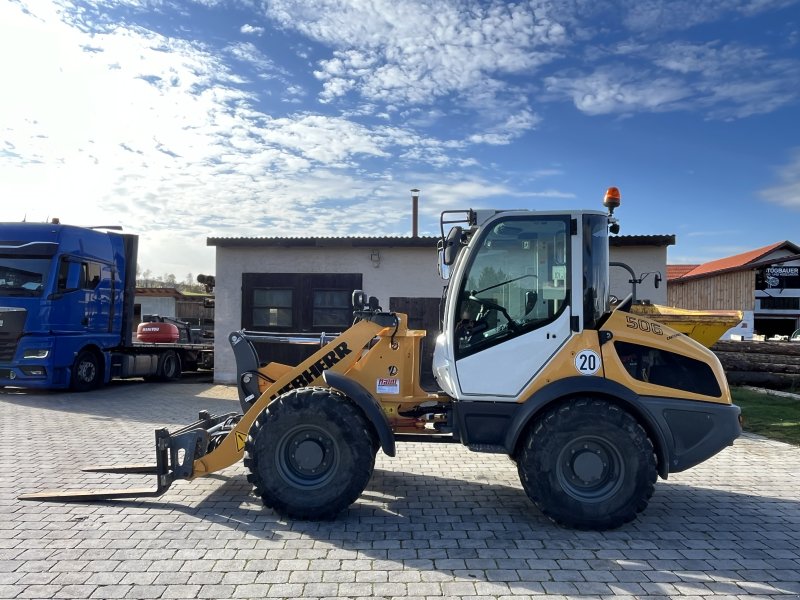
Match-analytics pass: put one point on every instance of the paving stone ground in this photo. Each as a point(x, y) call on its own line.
point(437, 521)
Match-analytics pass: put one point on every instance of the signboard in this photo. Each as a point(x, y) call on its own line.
point(778, 278)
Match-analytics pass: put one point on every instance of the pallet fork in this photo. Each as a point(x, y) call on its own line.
point(175, 453)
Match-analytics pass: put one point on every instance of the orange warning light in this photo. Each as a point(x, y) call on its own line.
point(612, 198)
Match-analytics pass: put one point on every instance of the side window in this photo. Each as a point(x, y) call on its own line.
point(63, 273)
point(517, 281)
point(667, 369)
point(91, 277)
point(272, 307)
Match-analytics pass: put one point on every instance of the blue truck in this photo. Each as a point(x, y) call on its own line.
point(67, 311)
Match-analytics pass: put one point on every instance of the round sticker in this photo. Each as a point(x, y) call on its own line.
point(587, 362)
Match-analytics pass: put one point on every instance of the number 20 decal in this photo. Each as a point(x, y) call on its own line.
point(643, 325)
point(587, 362)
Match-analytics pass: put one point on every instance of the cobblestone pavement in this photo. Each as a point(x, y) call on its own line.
point(436, 522)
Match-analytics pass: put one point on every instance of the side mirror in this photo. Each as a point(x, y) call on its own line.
point(359, 300)
point(452, 245)
point(531, 298)
point(73, 276)
point(444, 270)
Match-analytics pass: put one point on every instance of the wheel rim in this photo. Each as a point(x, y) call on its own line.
point(307, 457)
point(87, 371)
point(590, 469)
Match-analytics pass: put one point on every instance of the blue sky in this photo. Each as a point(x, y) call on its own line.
point(182, 120)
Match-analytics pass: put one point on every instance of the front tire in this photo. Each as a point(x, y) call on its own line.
point(310, 454)
point(588, 464)
point(86, 374)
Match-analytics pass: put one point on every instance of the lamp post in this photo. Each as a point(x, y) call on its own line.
point(414, 212)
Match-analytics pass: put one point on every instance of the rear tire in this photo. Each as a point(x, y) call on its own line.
point(169, 366)
point(310, 454)
point(86, 373)
point(588, 464)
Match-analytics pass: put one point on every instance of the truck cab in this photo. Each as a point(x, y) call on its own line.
point(61, 303)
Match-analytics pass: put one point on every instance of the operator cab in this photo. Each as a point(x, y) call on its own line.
point(524, 283)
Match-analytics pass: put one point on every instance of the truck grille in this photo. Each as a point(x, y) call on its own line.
point(12, 320)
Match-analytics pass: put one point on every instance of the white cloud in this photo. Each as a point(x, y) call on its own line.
point(617, 90)
point(787, 192)
point(248, 53)
point(648, 15)
point(503, 133)
point(126, 126)
point(248, 29)
point(416, 52)
point(724, 81)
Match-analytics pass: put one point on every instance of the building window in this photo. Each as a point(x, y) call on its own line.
point(302, 302)
point(780, 303)
point(272, 308)
point(332, 308)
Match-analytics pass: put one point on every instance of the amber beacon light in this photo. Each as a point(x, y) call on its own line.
point(612, 199)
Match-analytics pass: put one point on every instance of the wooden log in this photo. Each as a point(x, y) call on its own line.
point(756, 367)
point(753, 358)
point(784, 348)
point(778, 381)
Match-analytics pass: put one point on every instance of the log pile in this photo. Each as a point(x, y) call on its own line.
point(775, 365)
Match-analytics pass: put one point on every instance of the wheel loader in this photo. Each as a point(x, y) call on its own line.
point(592, 404)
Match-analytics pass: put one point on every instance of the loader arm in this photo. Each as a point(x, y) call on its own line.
point(338, 356)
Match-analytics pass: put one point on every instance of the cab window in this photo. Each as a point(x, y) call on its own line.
point(516, 281)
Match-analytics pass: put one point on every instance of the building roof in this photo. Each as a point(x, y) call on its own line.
point(159, 292)
point(737, 262)
point(325, 242)
point(675, 271)
point(397, 241)
point(641, 240)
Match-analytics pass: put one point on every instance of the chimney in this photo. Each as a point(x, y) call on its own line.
point(415, 212)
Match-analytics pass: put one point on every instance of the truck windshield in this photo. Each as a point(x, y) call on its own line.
point(20, 276)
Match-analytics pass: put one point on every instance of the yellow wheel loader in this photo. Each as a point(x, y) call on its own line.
point(592, 404)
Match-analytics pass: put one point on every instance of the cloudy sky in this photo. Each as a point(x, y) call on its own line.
point(182, 120)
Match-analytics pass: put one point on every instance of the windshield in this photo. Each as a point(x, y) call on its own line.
point(21, 276)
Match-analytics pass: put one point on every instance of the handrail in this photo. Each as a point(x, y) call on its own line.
point(300, 338)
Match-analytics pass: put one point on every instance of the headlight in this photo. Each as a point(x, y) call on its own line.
point(36, 353)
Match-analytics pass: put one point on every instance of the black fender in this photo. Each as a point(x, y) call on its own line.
point(368, 404)
point(595, 386)
point(246, 369)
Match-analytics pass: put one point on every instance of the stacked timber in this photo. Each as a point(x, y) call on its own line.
point(769, 364)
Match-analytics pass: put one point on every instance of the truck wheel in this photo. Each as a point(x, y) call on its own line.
point(169, 366)
point(588, 464)
point(310, 454)
point(86, 373)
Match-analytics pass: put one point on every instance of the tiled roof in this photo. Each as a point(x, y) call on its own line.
point(675, 271)
point(735, 262)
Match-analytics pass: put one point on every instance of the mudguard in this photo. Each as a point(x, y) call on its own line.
point(572, 386)
point(368, 404)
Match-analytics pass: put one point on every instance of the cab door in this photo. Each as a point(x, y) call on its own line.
point(514, 305)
